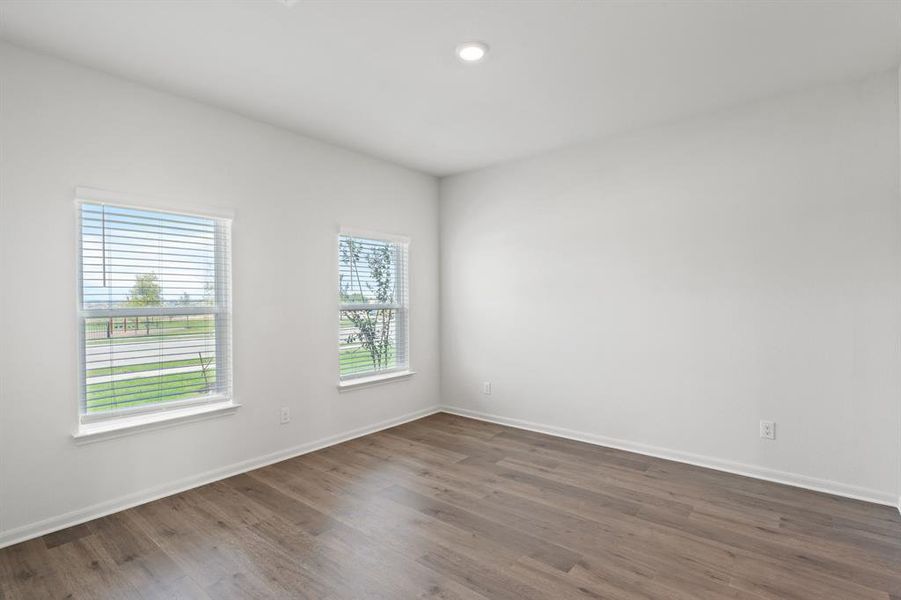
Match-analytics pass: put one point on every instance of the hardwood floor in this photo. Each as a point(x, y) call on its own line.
point(447, 507)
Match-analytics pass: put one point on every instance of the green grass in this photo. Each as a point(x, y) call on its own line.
point(127, 393)
point(160, 328)
point(99, 324)
point(168, 364)
point(358, 360)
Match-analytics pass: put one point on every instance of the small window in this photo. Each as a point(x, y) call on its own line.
point(155, 316)
point(373, 313)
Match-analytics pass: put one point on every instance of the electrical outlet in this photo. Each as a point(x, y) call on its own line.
point(768, 430)
point(486, 388)
point(285, 415)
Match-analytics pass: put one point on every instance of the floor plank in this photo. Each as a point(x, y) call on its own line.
point(453, 508)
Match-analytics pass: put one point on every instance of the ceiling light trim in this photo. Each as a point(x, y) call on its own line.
point(472, 52)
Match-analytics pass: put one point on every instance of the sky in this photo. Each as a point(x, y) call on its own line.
point(119, 244)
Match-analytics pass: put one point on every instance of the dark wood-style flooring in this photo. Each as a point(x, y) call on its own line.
point(447, 507)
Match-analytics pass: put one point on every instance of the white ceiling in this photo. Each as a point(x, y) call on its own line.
point(381, 76)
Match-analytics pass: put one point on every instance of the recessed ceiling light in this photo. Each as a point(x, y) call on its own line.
point(472, 52)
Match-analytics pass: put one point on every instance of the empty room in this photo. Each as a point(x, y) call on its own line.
point(457, 299)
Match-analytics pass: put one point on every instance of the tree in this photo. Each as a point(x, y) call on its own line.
point(205, 363)
point(372, 327)
point(145, 292)
point(209, 293)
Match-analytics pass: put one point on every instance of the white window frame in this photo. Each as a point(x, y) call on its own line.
point(402, 325)
point(102, 424)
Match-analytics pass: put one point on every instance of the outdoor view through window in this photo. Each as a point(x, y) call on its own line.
point(155, 315)
point(372, 333)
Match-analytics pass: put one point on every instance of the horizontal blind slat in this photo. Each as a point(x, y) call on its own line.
point(155, 308)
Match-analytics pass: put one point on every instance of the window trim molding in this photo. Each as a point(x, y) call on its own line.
point(96, 431)
point(138, 418)
point(172, 405)
point(355, 381)
point(89, 195)
point(377, 235)
point(369, 380)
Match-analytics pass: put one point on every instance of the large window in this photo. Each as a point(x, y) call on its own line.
point(373, 313)
point(155, 314)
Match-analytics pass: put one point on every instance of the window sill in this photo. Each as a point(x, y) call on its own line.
point(361, 382)
point(113, 428)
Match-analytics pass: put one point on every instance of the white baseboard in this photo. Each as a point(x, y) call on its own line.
point(76, 517)
point(802, 481)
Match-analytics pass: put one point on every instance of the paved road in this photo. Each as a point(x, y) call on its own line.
point(120, 353)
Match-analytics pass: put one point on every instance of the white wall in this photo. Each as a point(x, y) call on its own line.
point(667, 289)
point(63, 126)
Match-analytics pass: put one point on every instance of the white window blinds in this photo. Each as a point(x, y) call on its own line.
point(373, 317)
point(155, 314)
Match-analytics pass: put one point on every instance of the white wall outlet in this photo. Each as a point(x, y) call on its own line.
point(285, 415)
point(486, 388)
point(768, 430)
